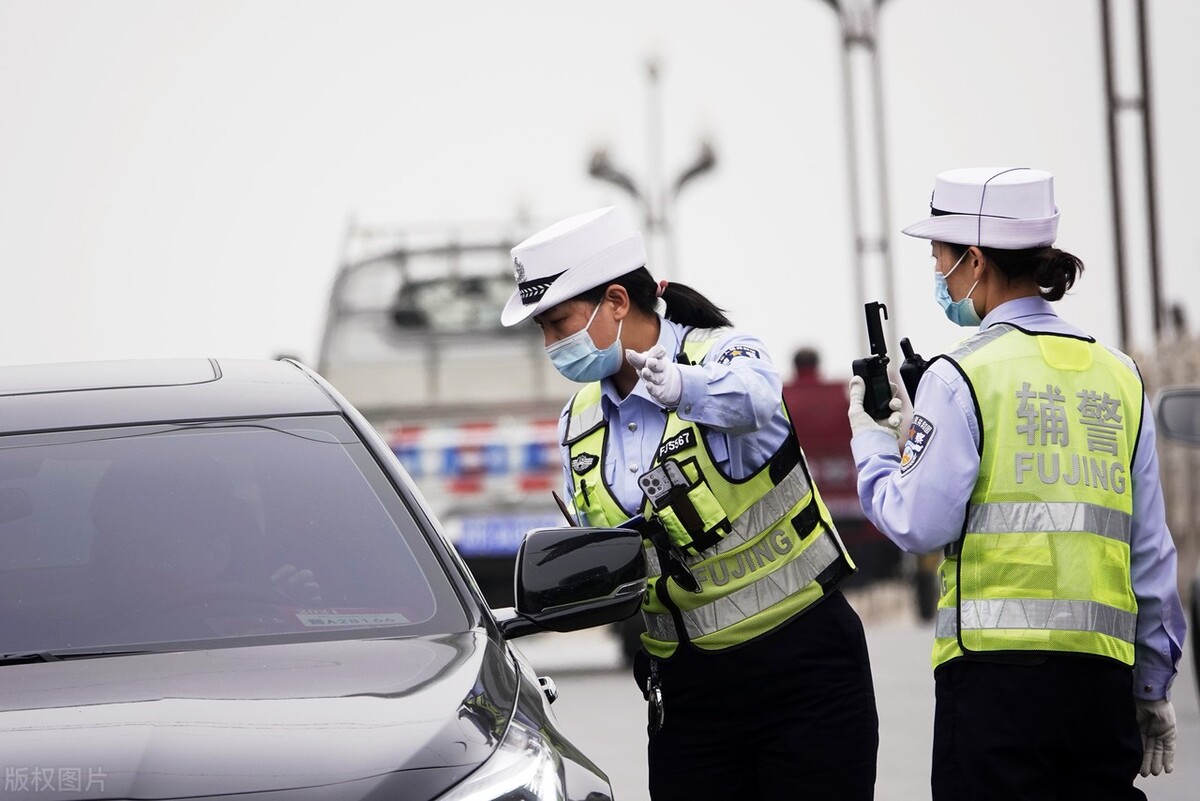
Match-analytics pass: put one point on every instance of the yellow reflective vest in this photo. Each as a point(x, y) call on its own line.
point(762, 549)
point(1044, 561)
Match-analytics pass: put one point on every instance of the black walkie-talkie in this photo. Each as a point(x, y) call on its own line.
point(911, 369)
point(873, 369)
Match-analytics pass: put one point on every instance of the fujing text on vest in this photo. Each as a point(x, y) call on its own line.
point(1049, 468)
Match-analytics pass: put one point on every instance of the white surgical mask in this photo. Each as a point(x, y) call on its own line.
point(578, 358)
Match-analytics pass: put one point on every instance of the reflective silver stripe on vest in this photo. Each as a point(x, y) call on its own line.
point(1039, 614)
point(762, 514)
point(1016, 518)
point(978, 341)
point(585, 421)
point(765, 592)
point(1125, 360)
point(661, 627)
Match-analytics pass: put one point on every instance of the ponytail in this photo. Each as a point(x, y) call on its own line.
point(685, 305)
point(1056, 272)
point(688, 307)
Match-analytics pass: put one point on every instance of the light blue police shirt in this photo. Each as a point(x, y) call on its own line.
point(735, 392)
point(922, 510)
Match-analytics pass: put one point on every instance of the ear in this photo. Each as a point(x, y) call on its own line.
point(977, 262)
point(619, 298)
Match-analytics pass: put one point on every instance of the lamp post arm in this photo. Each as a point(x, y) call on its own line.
point(602, 168)
point(705, 161)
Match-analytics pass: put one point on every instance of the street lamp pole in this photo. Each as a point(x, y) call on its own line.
point(858, 20)
point(656, 195)
point(656, 199)
point(1121, 105)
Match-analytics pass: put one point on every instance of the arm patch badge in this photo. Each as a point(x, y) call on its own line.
point(920, 432)
point(583, 463)
point(737, 350)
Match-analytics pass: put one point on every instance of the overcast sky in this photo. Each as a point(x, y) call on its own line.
point(176, 177)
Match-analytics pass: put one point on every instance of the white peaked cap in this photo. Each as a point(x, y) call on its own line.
point(1003, 208)
point(569, 258)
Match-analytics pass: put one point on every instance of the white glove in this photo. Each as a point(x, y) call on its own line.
point(1156, 719)
point(663, 379)
point(861, 421)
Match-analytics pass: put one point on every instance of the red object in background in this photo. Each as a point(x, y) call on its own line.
point(818, 412)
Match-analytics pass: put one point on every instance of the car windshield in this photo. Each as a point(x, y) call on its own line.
point(272, 530)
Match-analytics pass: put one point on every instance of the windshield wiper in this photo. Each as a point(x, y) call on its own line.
point(32, 656)
point(28, 657)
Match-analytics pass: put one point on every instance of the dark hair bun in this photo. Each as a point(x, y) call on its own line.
point(1056, 272)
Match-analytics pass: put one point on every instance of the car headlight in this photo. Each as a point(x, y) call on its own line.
point(524, 767)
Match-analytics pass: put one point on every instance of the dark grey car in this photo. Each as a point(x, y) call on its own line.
point(216, 581)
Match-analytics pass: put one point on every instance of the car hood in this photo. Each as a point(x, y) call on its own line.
point(346, 718)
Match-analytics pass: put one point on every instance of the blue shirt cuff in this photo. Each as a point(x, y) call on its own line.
point(1152, 684)
point(695, 391)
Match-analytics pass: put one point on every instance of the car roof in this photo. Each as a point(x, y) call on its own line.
point(86, 394)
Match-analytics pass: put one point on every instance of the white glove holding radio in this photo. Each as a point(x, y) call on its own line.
point(663, 379)
point(1156, 720)
point(861, 421)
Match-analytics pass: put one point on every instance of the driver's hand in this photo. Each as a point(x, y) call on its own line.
point(299, 585)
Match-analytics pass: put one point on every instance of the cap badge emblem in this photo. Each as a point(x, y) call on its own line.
point(518, 270)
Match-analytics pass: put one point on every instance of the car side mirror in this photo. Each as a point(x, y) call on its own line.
point(1177, 412)
point(575, 578)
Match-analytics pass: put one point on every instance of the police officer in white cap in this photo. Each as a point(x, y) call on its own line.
point(1031, 461)
point(754, 664)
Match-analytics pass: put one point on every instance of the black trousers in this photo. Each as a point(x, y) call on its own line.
point(1064, 728)
point(788, 716)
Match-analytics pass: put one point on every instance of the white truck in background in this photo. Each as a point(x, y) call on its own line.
point(413, 339)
